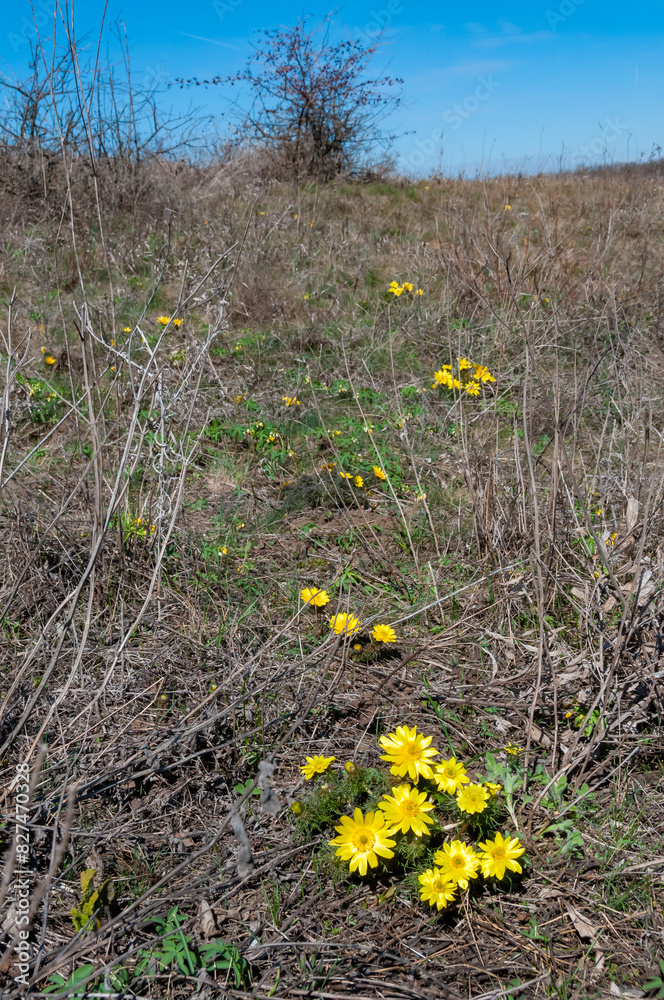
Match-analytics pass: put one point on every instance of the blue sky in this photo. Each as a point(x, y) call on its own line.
point(518, 85)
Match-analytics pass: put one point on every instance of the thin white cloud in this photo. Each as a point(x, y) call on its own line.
point(200, 38)
point(477, 67)
point(497, 41)
point(508, 34)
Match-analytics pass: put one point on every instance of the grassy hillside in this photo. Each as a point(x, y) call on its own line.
point(215, 399)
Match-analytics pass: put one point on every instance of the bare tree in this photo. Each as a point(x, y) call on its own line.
point(312, 102)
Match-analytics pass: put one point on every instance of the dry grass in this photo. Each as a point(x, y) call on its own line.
point(147, 673)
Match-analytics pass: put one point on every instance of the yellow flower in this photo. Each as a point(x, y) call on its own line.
point(457, 862)
point(358, 481)
point(126, 329)
point(599, 512)
point(436, 889)
point(383, 633)
point(223, 551)
point(361, 839)
point(315, 765)
point(290, 401)
point(43, 350)
point(378, 472)
point(472, 799)
point(405, 809)
point(408, 753)
point(512, 749)
point(407, 286)
point(49, 359)
point(499, 854)
point(508, 208)
point(297, 808)
point(464, 363)
point(344, 624)
point(312, 595)
point(492, 788)
point(613, 537)
point(419, 291)
point(394, 284)
point(473, 389)
point(346, 475)
point(397, 291)
point(443, 377)
point(177, 322)
point(482, 374)
point(164, 320)
point(450, 776)
point(350, 767)
point(357, 647)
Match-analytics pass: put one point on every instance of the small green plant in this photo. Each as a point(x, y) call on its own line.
point(88, 914)
point(591, 722)
point(573, 842)
point(44, 404)
point(241, 788)
point(656, 983)
point(67, 987)
point(177, 949)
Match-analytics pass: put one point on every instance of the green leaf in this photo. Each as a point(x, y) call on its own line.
point(77, 976)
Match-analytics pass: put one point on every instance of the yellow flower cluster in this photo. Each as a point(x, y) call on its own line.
point(342, 623)
point(458, 862)
point(356, 479)
point(290, 400)
point(408, 811)
point(137, 527)
point(468, 383)
point(165, 320)
point(396, 289)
